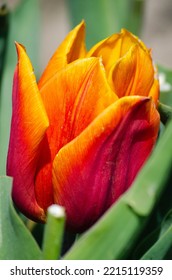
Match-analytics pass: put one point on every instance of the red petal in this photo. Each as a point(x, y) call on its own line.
point(29, 123)
point(93, 170)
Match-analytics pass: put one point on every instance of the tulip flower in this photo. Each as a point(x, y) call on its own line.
point(80, 136)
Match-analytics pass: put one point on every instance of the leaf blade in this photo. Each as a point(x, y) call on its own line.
point(16, 242)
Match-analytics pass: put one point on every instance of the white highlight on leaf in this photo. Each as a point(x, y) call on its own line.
point(164, 85)
point(56, 210)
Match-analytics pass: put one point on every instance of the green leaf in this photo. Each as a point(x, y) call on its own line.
point(16, 242)
point(165, 112)
point(24, 28)
point(105, 17)
point(145, 243)
point(162, 247)
point(166, 224)
point(114, 235)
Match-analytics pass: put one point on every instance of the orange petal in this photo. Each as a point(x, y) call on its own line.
point(72, 48)
point(72, 98)
point(114, 47)
point(108, 49)
point(28, 127)
point(133, 74)
point(94, 169)
point(155, 91)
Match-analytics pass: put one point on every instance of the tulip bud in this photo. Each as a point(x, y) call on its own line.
point(80, 137)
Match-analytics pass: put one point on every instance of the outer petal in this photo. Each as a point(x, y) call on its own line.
point(29, 123)
point(133, 74)
point(93, 170)
point(114, 47)
point(72, 98)
point(72, 48)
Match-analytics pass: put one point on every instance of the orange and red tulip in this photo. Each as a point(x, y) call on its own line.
point(80, 136)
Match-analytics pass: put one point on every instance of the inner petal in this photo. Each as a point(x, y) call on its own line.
point(133, 74)
point(115, 47)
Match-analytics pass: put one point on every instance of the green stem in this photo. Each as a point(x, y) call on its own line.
point(165, 112)
point(53, 234)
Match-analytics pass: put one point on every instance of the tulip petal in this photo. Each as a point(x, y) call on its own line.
point(133, 74)
point(75, 96)
point(94, 169)
point(155, 91)
point(72, 98)
point(114, 47)
point(28, 127)
point(72, 48)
